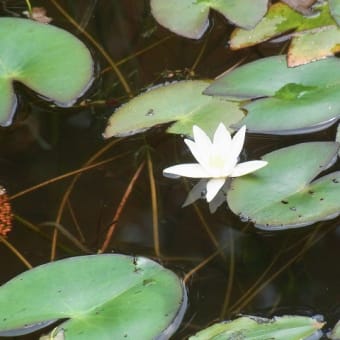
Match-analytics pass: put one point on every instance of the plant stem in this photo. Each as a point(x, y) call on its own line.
point(29, 7)
point(120, 208)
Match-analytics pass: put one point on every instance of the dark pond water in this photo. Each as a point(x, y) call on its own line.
point(254, 272)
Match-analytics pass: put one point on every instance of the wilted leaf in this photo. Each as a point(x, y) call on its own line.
point(322, 33)
point(38, 14)
point(312, 46)
point(255, 328)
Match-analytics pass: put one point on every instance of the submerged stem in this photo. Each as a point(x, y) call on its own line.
point(154, 206)
point(120, 208)
point(119, 74)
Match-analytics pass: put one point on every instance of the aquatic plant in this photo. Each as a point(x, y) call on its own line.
point(107, 296)
point(217, 159)
point(279, 328)
point(117, 296)
point(50, 61)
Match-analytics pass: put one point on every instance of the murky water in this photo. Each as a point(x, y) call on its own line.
point(249, 271)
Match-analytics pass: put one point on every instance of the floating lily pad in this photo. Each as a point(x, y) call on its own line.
point(312, 46)
point(47, 59)
point(316, 36)
point(180, 102)
point(334, 6)
point(189, 18)
point(100, 296)
point(291, 100)
point(302, 6)
point(251, 328)
point(283, 194)
point(335, 333)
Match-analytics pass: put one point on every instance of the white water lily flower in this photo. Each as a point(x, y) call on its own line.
point(217, 159)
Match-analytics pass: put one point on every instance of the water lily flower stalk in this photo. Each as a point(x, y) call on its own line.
point(217, 159)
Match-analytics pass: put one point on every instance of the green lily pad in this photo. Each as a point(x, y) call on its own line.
point(335, 333)
point(181, 102)
point(302, 6)
point(47, 59)
point(251, 328)
point(101, 296)
point(334, 6)
point(321, 31)
point(282, 195)
point(291, 100)
point(189, 18)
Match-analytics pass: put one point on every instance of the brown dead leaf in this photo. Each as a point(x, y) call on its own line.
point(38, 14)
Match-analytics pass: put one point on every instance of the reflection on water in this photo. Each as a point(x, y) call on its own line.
point(246, 270)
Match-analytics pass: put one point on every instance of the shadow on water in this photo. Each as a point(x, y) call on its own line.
point(245, 270)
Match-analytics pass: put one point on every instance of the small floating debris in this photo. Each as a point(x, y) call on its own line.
point(5, 213)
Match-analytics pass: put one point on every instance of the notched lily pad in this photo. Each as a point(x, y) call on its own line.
point(189, 18)
point(284, 100)
point(251, 328)
point(314, 37)
point(100, 296)
point(47, 59)
point(284, 194)
point(181, 102)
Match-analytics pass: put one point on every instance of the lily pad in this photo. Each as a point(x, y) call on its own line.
point(321, 30)
point(47, 59)
point(251, 328)
point(100, 296)
point(312, 46)
point(302, 6)
point(181, 102)
point(190, 18)
point(334, 6)
point(283, 194)
point(290, 100)
point(335, 333)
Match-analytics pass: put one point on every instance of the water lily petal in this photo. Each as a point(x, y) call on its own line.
point(201, 157)
point(202, 140)
point(197, 192)
point(217, 201)
point(247, 167)
point(192, 170)
point(238, 142)
point(213, 187)
point(222, 139)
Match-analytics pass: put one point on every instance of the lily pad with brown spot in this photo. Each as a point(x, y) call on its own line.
point(181, 103)
point(285, 194)
point(313, 37)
